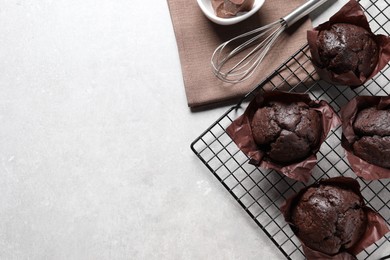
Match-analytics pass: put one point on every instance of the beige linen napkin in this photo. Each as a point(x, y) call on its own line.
point(197, 38)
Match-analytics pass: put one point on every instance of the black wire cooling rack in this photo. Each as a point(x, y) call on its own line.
point(260, 192)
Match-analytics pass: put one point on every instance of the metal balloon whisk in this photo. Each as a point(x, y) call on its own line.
point(259, 40)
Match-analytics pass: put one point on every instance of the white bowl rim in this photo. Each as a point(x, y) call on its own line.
point(228, 21)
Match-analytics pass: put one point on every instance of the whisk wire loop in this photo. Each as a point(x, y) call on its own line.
point(245, 67)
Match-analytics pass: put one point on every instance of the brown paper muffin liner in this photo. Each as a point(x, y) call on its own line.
point(350, 13)
point(241, 133)
point(348, 114)
point(376, 226)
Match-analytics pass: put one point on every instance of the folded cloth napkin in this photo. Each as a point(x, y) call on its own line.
point(197, 38)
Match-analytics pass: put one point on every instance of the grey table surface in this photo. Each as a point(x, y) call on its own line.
point(95, 159)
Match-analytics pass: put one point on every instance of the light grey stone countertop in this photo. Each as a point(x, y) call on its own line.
point(95, 140)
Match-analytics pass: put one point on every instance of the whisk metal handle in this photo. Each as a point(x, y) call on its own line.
point(302, 11)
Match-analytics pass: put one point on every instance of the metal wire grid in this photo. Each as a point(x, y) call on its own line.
point(260, 192)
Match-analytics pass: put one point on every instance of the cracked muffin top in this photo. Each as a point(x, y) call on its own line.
point(372, 127)
point(287, 132)
point(347, 47)
point(329, 219)
point(372, 121)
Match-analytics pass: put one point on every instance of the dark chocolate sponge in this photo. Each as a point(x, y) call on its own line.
point(347, 47)
point(286, 132)
point(374, 149)
point(373, 141)
point(329, 219)
point(371, 121)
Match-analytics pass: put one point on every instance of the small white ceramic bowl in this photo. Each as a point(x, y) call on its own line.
point(207, 9)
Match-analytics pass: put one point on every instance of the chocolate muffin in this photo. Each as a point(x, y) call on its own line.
point(346, 47)
point(372, 127)
point(286, 132)
point(329, 219)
